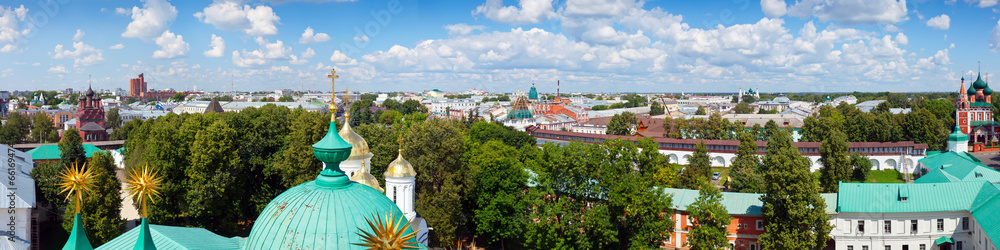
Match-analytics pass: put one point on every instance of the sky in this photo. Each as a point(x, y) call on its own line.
point(674, 46)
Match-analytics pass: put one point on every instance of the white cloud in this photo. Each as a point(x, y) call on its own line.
point(13, 28)
point(218, 47)
point(774, 8)
point(941, 22)
point(117, 46)
point(309, 53)
point(309, 37)
point(58, 70)
point(938, 60)
point(36, 64)
point(281, 69)
point(171, 46)
point(78, 36)
point(530, 11)
point(121, 11)
point(994, 40)
point(296, 61)
point(230, 15)
point(902, 39)
point(598, 8)
point(852, 12)
point(891, 28)
point(339, 58)
point(362, 38)
point(461, 29)
point(983, 3)
point(268, 51)
point(82, 54)
point(150, 21)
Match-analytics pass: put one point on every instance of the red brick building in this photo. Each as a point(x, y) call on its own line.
point(90, 118)
point(137, 86)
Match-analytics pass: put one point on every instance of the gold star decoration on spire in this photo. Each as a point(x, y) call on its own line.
point(76, 180)
point(143, 185)
point(387, 234)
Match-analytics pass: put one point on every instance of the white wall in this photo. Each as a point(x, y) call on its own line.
point(885, 161)
point(845, 232)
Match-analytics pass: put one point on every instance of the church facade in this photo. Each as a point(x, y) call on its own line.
point(90, 118)
point(974, 115)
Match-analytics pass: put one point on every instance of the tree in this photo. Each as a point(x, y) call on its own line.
point(656, 109)
point(862, 165)
point(178, 97)
point(214, 161)
point(621, 124)
point(46, 176)
point(499, 180)
point(15, 129)
point(699, 168)
point(749, 99)
point(745, 174)
point(435, 148)
point(482, 132)
point(113, 120)
point(41, 126)
point(383, 145)
point(836, 167)
point(743, 108)
point(390, 117)
point(101, 211)
point(297, 164)
point(605, 107)
point(700, 111)
point(709, 218)
point(286, 98)
point(793, 209)
point(122, 133)
point(53, 136)
point(71, 148)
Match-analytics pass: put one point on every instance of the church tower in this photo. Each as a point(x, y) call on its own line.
point(400, 184)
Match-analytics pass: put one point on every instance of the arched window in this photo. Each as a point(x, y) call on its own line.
point(753, 246)
point(394, 194)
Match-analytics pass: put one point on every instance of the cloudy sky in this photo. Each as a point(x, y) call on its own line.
point(500, 45)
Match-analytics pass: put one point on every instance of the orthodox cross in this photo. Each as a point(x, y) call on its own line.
point(333, 95)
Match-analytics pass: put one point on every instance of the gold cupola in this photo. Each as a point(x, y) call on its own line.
point(366, 178)
point(360, 150)
point(400, 168)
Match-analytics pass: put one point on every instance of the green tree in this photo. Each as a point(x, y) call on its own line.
point(699, 168)
point(621, 124)
point(710, 220)
point(41, 127)
point(482, 131)
point(178, 97)
point(383, 145)
point(605, 107)
point(46, 176)
point(743, 108)
point(286, 98)
point(113, 120)
point(15, 129)
point(836, 166)
point(700, 111)
point(71, 148)
point(862, 165)
point(123, 132)
point(101, 211)
point(656, 109)
point(53, 136)
point(793, 209)
point(744, 173)
point(435, 148)
point(499, 180)
point(390, 117)
point(297, 164)
point(214, 161)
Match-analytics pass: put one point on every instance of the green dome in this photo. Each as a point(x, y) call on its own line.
point(987, 90)
point(971, 91)
point(958, 136)
point(533, 93)
point(979, 83)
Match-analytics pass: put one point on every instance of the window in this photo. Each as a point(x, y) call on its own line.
point(888, 247)
point(958, 245)
point(850, 247)
point(923, 246)
point(965, 223)
point(760, 225)
point(864, 247)
point(913, 226)
point(888, 226)
point(906, 247)
point(861, 226)
point(940, 225)
point(753, 246)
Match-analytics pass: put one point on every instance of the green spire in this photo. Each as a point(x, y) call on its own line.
point(145, 239)
point(958, 136)
point(78, 238)
point(332, 150)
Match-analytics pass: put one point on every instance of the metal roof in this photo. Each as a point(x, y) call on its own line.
point(922, 197)
point(181, 238)
point(51, 152)
point(736, 203)
point(954, 166)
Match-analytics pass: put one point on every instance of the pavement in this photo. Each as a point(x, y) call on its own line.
point(991, 158)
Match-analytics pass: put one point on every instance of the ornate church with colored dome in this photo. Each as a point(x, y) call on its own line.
point(974, 115)
point(335, 211)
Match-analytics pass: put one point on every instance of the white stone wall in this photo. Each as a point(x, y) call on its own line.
point(845, 232)
point(901, 163)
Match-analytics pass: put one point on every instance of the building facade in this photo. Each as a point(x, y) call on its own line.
point(90, 118)
point(974, 115)
point(137, 86)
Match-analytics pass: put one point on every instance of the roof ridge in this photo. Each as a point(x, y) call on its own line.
point(976, 207)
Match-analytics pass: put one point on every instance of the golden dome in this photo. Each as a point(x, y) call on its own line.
point(400, 168)
point(360, 146)
point(367, 179)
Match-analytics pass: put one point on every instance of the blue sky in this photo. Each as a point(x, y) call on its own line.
point(500, 46)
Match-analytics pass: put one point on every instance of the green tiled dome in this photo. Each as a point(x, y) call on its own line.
point(987, 90)
point(958, 136)
point(979, 83)
point(972, 91)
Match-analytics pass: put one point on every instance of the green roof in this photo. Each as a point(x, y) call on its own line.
point(981, 104)
point(520, 114)
point(168, 238)
point(983, 123)
point(943, 239)
point(736, 203)
point(954, 166)
point(986, 214)
point(922, 197)
point(979, 83)
point(51, 152)
point(78, 238)
point(533, 93)
point(971, 91)
point(958, 136)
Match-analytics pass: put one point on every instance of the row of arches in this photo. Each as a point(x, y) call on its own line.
point(719, 161)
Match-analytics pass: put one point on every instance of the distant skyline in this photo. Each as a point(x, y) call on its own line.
point(500, 46)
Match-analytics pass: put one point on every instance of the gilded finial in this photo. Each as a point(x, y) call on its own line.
point(333, 84)
point(387, 234)
point(143, 185)
point(76, 180)
point(399, 140)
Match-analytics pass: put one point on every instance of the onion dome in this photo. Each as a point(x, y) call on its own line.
point(533, 93)
point(971, 91)
point(366, 178)
point(327, 213)
point(987, 90)
point(78, 238)
point(90, 93)
point(979, 83)
point(958, 136)
point(400, 168)
point(359, 146)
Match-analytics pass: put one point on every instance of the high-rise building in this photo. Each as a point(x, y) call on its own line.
point(137, 86)
point(4, 100)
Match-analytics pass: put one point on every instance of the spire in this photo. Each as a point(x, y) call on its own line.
point(143, 185)
point(332, 149)
point(75, 181)
point(78, 237)
point(145, 239)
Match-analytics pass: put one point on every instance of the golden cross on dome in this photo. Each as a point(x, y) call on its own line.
point(143, 185)
point(75, 181)
point(333, 95)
